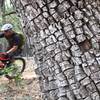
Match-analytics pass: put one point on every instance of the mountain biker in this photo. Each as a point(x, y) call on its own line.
point(14, 39)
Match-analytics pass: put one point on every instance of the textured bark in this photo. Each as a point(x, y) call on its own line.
point(64, 39)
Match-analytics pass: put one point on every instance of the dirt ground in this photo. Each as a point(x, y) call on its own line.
point(28, 88)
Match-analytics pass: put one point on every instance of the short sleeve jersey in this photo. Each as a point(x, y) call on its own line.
point(13, 40)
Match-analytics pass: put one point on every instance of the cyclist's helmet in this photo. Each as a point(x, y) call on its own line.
point(6, 27)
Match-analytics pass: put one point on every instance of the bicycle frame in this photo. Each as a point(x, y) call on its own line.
point(3, 60)
point(3, 57)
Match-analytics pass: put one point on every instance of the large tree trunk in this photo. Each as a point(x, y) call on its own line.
point(64, 39)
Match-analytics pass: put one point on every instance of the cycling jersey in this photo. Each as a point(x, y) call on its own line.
point(14, 40)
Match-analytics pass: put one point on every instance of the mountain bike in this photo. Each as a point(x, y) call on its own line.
point(10, 68)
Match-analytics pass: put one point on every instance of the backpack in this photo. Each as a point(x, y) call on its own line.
point(22, 38)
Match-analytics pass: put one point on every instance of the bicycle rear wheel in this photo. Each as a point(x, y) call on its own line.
point(16, 67)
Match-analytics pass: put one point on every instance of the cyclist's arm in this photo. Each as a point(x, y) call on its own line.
point(16, 43)
point(14, 48)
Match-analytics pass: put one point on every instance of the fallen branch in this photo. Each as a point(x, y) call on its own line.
point(13, 12)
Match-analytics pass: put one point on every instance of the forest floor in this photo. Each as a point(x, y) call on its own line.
point(28, 88)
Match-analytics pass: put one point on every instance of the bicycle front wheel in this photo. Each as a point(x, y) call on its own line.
point(16, 67)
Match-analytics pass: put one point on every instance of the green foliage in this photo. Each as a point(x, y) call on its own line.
point(18, 80)
point(10, 18)
point(12, 70)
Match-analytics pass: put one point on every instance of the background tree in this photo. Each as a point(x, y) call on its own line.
point(64, 40)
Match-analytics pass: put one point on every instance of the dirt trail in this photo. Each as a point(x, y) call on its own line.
point(29, 89)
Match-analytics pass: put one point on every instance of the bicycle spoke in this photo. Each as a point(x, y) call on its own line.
point(17, 67)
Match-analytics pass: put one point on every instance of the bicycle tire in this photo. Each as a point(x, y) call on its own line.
point(22, 70)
